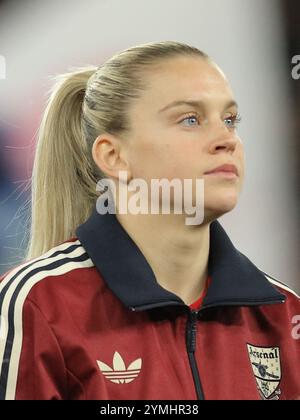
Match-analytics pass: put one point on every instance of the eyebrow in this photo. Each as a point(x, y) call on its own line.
point(195, 104)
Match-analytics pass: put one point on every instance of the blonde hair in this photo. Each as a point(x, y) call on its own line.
point(83, 104)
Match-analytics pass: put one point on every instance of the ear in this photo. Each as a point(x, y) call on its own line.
point(109, 154)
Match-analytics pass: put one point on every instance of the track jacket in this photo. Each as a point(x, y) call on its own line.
point(88, 320)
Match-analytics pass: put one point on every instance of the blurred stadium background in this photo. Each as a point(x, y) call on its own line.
point(252, 40)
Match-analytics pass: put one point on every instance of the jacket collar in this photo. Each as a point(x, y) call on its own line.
point(236, 281)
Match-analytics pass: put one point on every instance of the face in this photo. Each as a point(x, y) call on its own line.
point(188, 140)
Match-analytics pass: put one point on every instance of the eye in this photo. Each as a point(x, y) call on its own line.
point(233, 120)
point(191, 117)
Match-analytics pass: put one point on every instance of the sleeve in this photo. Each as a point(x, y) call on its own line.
point(32, 363)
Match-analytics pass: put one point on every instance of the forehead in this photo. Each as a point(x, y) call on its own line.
point(189, 78)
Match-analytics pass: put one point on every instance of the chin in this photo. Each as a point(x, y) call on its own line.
point(221, 205)
point(221, 197)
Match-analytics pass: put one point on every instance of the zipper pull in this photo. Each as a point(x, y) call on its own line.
point(192, 331)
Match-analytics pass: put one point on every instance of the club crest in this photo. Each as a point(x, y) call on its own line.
point(266, 366)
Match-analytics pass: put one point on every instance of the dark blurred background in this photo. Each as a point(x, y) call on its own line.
point(253, 41)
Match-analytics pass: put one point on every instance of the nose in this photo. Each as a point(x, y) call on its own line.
point(223, 140)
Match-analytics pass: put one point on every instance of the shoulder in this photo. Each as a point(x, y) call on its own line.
point(40, 273)
point(282, 288)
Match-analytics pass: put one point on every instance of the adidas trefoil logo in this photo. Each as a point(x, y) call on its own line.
point(119, 374)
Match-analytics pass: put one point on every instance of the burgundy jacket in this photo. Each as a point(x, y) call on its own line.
point(88, 320)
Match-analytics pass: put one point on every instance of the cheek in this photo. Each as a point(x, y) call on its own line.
point(164, 158)
point(240, 157)
point(181, 160)
point(148, 159)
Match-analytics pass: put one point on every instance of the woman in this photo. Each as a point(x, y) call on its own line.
point(139, 305)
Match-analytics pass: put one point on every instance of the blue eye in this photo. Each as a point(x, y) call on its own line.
point(233, 121)
point(190, 117)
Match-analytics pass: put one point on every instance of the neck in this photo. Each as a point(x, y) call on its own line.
point(177, 253)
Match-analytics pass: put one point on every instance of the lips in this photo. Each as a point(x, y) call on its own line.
point(224, 168)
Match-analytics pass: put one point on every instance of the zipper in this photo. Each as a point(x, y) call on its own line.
point(191, 330)
point(191, 334)
point(219, 304)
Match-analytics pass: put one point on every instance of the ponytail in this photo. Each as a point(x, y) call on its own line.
point(63, 179)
